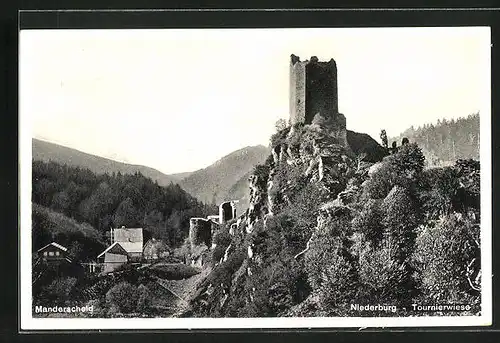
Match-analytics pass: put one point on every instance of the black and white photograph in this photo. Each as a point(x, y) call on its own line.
point(255, 178)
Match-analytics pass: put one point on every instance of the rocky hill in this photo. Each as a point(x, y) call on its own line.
point(327, 227)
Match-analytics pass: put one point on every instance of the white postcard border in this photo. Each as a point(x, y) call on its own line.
point(27, 322)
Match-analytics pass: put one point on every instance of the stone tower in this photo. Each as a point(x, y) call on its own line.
point(313, 91)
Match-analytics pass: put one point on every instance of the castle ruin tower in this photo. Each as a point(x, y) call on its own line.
point(314, 94)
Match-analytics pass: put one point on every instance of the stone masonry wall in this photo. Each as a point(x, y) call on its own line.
point(313, 89)
point(297, 90)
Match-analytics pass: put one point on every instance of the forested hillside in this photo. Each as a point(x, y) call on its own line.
point(223, 179)
point(46, 151)
point(446, 141)
point(105, 201)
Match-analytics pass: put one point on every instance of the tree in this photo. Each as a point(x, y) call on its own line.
point(369, 221)
point(173, 228)
point(43, 191)
point(439, 192)
point(280, 124)
point(403, 169)
point(155, 223)
point(331, 267)
point(75, 250)
point(98, 204)
point(380, 275)
point(447, 256)
point(383, 137)
point(126, 214)
point(61, 201)
point(401, 220)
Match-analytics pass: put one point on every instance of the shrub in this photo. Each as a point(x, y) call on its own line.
point(261, 172)
point(338, 285)
point(439, 191)
point(383, 279)
point(279, 137)
point(369, 221)
point(60, 290)
point(401, 220)
point(122, 297)
point(285, 284)
point(143, 299)
point(330, 266)
point(401, 169)
point(380, 182)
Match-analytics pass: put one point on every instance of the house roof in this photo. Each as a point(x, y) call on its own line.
point(115, 248)
point(130, 239)
point(54, 244)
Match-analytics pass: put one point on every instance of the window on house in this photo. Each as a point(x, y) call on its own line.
point(44, 253)
point(57, 253)
point(51, 253)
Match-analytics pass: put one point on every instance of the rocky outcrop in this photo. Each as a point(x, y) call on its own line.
point(312, 155)
point(361, 143)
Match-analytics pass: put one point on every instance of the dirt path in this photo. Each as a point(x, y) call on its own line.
point(183, 290)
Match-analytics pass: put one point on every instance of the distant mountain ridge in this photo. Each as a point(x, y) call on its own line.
point(226, 179)
point(46, 151)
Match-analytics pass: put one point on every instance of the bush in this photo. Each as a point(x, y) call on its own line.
point(380, 182)
point(443, 254)
point(261, 172)
point(122, 298)
point(338, 286)
point(279, 137)
point(401, 169)
point(143, 299)
point(59, 291)
point(369, 221)
point(383, 279)
point(401, 220)
point(285, 284)
point(330, 266)
point(439, 191)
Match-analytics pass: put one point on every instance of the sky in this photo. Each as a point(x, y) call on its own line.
point(178, 100)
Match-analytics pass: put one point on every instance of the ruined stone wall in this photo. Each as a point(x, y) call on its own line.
point(200, 232)
point(227, 211)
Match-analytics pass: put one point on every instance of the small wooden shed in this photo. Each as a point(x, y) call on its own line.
point(53, 252)
point(113, 257)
